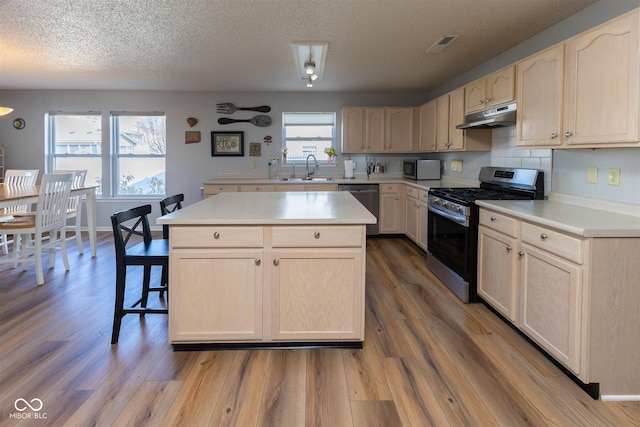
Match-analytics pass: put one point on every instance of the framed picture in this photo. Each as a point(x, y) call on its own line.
point(192, 136)
point(227, 143)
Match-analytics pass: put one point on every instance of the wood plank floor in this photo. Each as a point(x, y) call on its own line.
point(428, 360)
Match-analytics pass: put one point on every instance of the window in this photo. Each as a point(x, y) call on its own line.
point(308, 133)
point(76, 143)
point(139, 150)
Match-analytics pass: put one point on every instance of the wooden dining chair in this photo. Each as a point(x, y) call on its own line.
point(135, 246)
point(44, 231)
point(74, 208)
point(16, 177)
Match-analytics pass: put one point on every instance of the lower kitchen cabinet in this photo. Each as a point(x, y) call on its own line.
point(573, 296)
point(411, 213)
point(391, 208)
point(423, 215)
point(263, 284)
point(213, 189)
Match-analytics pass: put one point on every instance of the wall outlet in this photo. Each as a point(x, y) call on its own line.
point(253, 165)
point(592, 175)
point(400, 164)
point(614, 176)
point(472, 166)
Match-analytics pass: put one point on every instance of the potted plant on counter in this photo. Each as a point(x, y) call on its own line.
point(331, 153)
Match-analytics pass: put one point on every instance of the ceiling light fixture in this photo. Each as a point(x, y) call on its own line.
point(310, 58)
point(5, 110)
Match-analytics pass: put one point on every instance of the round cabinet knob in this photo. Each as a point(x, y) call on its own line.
point(509, 248)
point(520, 253)
point(276, 261)
point(316, 234)
point(493, 218)
point(553, 135)
point(488, 100)
point(258, 261)
point(216, 235)
point(568, 134)
point(543, 236)
point(481, 102)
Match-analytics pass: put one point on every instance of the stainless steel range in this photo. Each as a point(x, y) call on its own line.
point(453, 223)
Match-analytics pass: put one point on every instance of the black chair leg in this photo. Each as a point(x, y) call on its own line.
point(145, 287)
point(164, 280)
point(119, 306)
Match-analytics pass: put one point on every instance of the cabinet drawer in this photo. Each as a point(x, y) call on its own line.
point(262, 188)
point(557, 243)
point(216, 237)
point(218, 188)
point(320, 236)
point(499, 222)
point(423, 195)
point(411, 192)
point(389, 188)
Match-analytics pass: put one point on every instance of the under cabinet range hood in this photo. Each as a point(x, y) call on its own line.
point(488, 119)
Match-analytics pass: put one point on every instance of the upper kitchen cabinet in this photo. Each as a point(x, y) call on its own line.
point(539, 94)
point(583, 93)
point(450, 113)
point(495, 89)
point(426, 127)
point(602, 85)
point(377, 129)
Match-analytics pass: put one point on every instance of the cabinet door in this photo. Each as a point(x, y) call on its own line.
point(456, 116)
point(390, 213)
point(399, 130)
point(539, 94)
point(498, 271)
point(219, 297)
point(411, 218)
point(603, 88)
point(352, 129)
point(551, 304)
point(475, 95)
point(423, 228)
point(501, 87)
point(257, 188)
point(442, 126)
point(428, 128)
point(374, 133)
point(318, 294)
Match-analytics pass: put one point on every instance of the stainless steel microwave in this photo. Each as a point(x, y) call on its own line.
point(421, 169)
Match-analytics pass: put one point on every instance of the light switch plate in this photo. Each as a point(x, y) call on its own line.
point(592, 175)
point(614, 176)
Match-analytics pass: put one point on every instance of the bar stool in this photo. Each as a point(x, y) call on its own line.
point(168, 205)
point(147, 253)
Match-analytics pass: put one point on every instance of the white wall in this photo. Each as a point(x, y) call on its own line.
point(188, 165)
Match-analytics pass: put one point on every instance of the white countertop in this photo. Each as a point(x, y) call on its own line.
point(578, 220)
point(245, 208)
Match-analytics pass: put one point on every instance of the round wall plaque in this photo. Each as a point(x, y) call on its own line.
point(19, 123)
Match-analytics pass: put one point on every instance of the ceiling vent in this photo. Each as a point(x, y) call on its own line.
point(442, 42)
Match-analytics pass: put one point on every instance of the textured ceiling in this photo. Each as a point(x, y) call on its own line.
point(245, 45)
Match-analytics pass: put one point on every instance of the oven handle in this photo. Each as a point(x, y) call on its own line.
point(458, 219)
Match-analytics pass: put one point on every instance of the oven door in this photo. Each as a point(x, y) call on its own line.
point(450, 240)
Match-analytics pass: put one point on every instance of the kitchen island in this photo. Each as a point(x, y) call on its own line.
point(268, 269)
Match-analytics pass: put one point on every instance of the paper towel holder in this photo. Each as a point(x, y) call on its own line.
point(348, 170)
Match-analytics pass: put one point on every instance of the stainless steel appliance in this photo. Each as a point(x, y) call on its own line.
point(491, 118)
point(421, 169)
point(368, 195)
point(452, 236)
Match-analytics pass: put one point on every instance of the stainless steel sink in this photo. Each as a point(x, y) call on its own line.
point(305, 179)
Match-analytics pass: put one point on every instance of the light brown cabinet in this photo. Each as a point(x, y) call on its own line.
point(573, 296)
point(391, 208)
point(377, 129)
point(427, 127)
point(213, 189)
point(450, 113)
point(495, 89)
point(416, 212)
point(272, 283)
point(540, 84)
point(583, 93)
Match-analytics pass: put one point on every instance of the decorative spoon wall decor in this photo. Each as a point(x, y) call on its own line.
point(229, 108)
point(259, 120)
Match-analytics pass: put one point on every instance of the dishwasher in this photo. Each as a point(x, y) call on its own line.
point(367, 194)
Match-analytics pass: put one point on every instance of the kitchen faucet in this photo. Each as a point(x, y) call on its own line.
point(308, 173)
point(293, 170)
